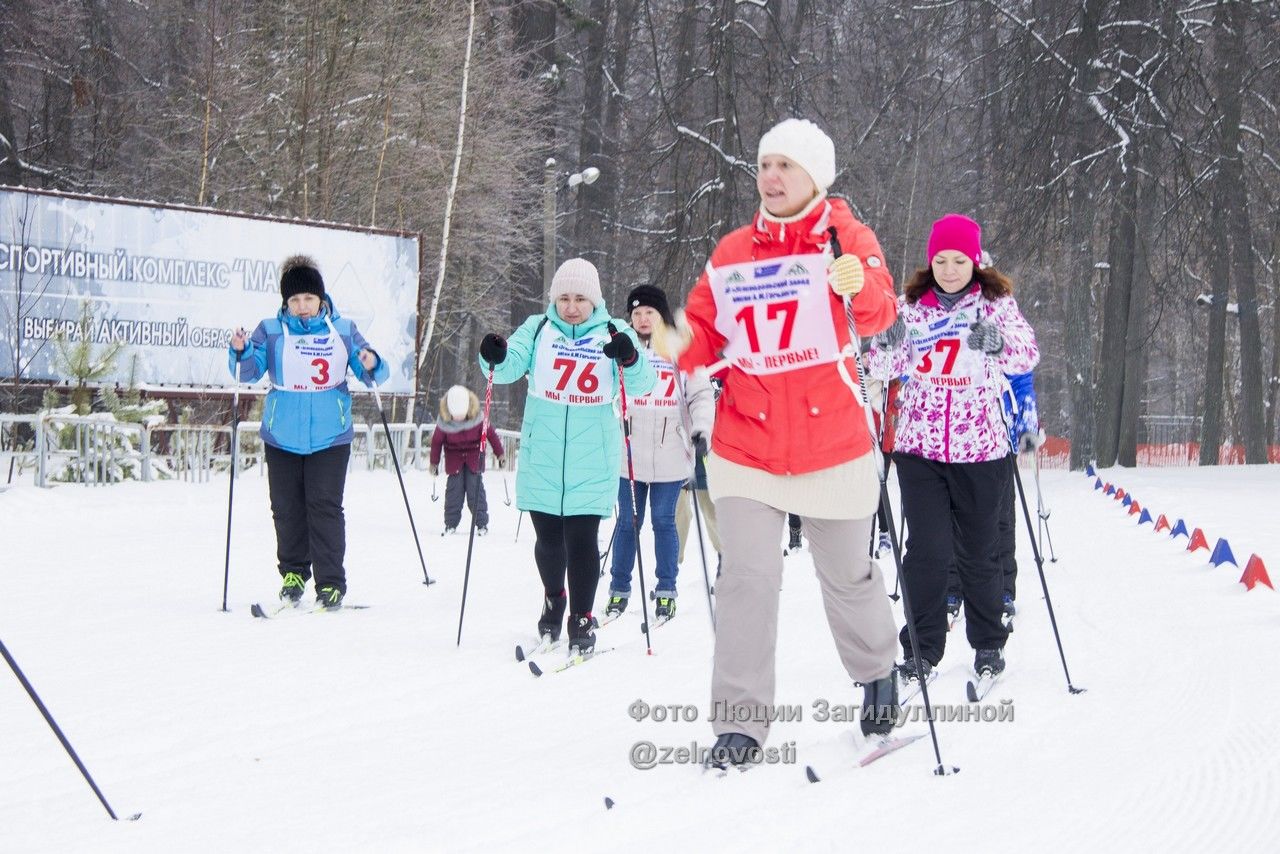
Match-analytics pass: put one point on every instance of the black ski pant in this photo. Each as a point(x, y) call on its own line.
point(306, 504)
point(469, 485)
point(567, 546)
point(1006, 542)
point(952, 512)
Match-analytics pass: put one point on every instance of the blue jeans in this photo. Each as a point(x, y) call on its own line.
point(666, 544)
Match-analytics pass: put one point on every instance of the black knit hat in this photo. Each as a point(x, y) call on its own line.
point(652, 296)
point(299, 275)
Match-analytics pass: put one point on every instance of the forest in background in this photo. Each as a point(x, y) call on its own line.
point(1118, 155)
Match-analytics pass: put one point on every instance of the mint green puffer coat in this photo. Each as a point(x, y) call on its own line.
point(569, 449)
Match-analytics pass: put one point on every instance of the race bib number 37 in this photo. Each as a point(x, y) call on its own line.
point(663, 395)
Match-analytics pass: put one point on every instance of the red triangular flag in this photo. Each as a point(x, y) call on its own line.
point(1197, 541)
point(1162, 524)
point(1255, 573)
point(1134, 508)
point(1119, 496)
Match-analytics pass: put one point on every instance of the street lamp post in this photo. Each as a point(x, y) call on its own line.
point(550, 188)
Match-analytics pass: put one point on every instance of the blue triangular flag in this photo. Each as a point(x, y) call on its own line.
point(1127, 500)
point(1222, 554)
point(1089, 472)
point(1179, 529)
point(1144, 517)
point(1097, 483)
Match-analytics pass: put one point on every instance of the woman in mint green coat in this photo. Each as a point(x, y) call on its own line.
point(571, 438)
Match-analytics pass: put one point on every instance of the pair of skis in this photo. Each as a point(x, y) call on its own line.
point(272, 611)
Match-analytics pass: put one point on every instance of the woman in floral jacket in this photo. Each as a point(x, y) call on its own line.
point(959, 333)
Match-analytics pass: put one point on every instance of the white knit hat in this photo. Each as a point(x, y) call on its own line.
point(457, 400)
point(805, 143)
point(577, 276)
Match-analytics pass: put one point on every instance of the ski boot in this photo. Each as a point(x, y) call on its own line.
point(1010, 609)
point(733, 750)
point(907, 669)
point(794, 543)
point(666, 607)
point(329, 598)
point(879, 711)
point(552, 618)
point(582, 641)
point(988, 661)
point(481, 530)
point(294, 586)
point(884, 548)
point(447, 531)
point(617, 603)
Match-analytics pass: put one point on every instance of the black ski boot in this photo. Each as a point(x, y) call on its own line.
point(1009, 608)
point(582, 641)
point(988, 661)
point(617, 604)
point(879, 711)
point(734, 750)
point(907, 670)
point(552, 618)
point(666, 607)
point(294, 586)
point(953, 606)
point(329, 598)
point(794, 544)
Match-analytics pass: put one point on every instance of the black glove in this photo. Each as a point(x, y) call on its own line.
point(620, 349)
point(699, 446)
point(986, 337)
point(890, 338)
point(493, 349)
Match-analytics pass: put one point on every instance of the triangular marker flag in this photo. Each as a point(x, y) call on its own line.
point(1089, 472)
point(1135, 508)
point(1222, 554)
point(1108, 490)
point(1127, 500)
point(1162, 524)
point(1179, 529)
point(1255, 573)
point(1097, 483)
point(1119, 496)
point(1145, 517)
point(1197, 541)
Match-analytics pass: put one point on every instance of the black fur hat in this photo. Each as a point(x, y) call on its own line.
point(652, 296)
point(299, 275)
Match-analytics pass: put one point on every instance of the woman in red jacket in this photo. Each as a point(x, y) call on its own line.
point(790, 431)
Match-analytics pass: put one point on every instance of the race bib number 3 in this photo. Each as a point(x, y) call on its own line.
point(775, 313)
point(576, 373)
point(313, 362)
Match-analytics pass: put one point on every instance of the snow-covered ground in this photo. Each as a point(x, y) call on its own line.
point(372, 730)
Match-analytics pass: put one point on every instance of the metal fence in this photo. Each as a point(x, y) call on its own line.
point(94, 450)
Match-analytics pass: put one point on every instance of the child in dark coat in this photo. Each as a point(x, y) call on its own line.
point(457, 434)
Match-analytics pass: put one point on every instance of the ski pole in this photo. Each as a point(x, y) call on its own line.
point(35, 698)
point(434, 495)
point(231, 489)
point(699, 474)
point(635, 518)
point(604, 558)
point(907, 611)
point(471, 538)
point(519, 522)
point(1044, 585)
point(699, 468)
point(1042, 511)
point(506, 491)
point(391, 446)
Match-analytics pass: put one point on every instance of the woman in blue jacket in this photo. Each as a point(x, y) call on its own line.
point(571, 438)
point(306, 425)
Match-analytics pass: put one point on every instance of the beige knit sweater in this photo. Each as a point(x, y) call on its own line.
point(848, 491)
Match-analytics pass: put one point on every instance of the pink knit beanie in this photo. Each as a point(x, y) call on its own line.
point(956, 232)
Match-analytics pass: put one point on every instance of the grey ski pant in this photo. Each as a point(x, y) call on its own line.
point(853, 593)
